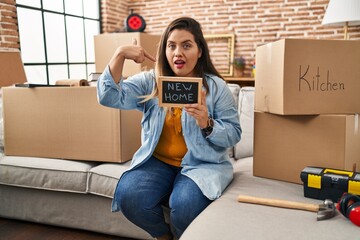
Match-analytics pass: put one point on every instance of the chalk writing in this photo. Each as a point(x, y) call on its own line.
point(317, 81)
point(174, 92)
point(177, 91)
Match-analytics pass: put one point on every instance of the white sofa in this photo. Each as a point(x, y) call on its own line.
point(78, 194)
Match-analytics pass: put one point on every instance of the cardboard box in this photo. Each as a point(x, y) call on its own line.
point(285, 145)
point(302, 77)
point(106, 44)
point(11, 69)
point(67, 123)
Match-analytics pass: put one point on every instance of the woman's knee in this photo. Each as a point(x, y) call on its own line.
point(136, 198)
point(128, 199)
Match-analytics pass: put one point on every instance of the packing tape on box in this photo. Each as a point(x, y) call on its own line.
point(356, 120)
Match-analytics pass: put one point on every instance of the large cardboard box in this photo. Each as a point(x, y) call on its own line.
point(11, 68)
point(301, 77)
point(285, 145)
point(67, 123)
point(106, 44)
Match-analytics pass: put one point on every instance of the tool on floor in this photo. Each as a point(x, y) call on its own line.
point(324, 211)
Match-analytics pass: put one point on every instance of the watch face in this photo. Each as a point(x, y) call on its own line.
point(211, 122)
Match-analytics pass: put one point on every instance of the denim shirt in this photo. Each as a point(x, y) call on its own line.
point(206, 162)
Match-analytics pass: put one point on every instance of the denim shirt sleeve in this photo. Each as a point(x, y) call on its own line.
point(222, 108)
point(127, 94)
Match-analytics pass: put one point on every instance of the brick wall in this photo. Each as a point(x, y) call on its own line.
point(9, 36)
point(113, 14)
point(253, 22)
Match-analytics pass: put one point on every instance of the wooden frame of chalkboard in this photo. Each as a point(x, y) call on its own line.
point(178, 91)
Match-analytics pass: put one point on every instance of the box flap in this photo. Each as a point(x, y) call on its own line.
point(11, 68)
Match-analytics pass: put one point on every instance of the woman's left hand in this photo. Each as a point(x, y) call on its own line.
point(199, 111)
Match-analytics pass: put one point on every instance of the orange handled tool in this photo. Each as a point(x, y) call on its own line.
point(324, 211)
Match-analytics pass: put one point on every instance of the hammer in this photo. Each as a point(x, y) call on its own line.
point(324, 211)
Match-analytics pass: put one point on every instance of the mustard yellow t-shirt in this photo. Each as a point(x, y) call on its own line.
point(171, 147)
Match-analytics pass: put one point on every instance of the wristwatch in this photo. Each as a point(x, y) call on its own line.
point(208, 130)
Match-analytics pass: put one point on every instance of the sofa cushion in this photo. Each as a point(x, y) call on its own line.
point(103, 178)
point(246, 110)
point(45, 173)
point(235, 89)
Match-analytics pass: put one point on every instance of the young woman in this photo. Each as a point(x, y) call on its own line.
point(183, 161)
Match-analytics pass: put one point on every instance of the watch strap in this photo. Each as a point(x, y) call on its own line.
point(209, 128)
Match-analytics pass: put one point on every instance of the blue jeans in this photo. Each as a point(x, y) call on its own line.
point(143, 191)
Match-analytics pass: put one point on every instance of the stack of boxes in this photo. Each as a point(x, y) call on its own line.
point(62, 122)
point(68, 122)
point(307, 100)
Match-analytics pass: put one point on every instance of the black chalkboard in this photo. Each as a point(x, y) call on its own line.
point(177, 91)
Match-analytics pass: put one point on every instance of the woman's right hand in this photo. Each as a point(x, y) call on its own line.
point(137, 53)
point(133, 52)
